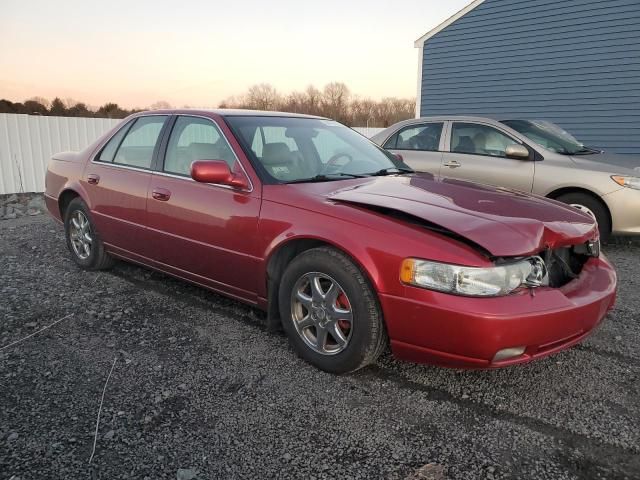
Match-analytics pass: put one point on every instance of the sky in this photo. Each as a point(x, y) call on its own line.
point(199, 52)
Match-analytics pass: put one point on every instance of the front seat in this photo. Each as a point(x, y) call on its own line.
point(278, 160)
point(480, 143)
point(465, 145)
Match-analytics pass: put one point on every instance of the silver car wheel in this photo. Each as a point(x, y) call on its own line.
point(321, 313)
point(584, 209)
point(80, 235)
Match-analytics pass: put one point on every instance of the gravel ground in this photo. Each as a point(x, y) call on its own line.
point(200, 390)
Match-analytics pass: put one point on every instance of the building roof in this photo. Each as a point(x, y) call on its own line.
point(419, 42)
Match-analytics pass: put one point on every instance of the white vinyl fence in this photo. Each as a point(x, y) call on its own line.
point(28, 141)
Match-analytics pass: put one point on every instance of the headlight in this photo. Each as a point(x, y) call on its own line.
point(473, 281)
point(631, 182)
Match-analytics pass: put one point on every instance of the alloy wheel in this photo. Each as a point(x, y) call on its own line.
point(584, 209)
point(80, 235)
point(321, 313)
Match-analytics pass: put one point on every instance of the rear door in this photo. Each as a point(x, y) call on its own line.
point(420, 146)
point(476, 152)
point(117, 179)
point(200, 231)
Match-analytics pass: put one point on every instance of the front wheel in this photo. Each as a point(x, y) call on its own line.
point(330, 312)
point(592, 207)
point(83, 240)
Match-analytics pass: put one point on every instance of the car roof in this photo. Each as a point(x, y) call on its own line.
point(464, 118)
point(228, 112)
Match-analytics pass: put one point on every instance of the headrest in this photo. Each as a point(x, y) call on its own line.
point(275, 153)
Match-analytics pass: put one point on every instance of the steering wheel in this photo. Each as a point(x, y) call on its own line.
point(331, 162)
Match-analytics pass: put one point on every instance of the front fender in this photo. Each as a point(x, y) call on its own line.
point(376, 244)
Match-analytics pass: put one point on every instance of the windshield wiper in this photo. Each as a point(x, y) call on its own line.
point(584, 150)
point(327, 177)
point(391, 171)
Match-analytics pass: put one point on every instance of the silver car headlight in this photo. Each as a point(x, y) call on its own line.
point(498, 280)
point(629, 182)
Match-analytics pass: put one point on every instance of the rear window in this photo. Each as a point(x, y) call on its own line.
point(136, 149)
point(109, 151)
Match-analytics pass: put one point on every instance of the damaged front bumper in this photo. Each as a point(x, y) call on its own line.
point(464, 332)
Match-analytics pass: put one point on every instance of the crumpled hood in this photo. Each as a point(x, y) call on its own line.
point(503, 222)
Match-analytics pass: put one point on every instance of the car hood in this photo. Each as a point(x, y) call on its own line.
point(502, 222)
point(609, 162)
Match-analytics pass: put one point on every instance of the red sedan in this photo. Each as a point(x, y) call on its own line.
point(338, 240)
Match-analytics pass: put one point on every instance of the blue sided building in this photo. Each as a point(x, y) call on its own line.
point(573, 62)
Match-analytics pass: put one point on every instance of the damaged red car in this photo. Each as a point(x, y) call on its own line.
point(340, 242)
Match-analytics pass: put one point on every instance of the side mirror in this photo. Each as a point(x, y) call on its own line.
point(517, 151)
point(217, 171)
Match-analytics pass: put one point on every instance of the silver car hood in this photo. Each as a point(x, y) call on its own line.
point(609, 162)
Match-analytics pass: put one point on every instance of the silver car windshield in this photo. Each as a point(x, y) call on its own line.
point(297, 150)
point(550, 136)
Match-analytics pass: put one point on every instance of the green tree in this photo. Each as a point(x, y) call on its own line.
point(57, 108)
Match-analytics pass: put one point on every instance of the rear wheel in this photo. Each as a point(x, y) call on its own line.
point(591, 206)
point(83, 240)
point(330, 312)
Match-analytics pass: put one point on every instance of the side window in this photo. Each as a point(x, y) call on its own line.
point(479, 140)
point(424, 137)
point(136, 150)
point(392, 142)
point(194, 138)
point(109, 151)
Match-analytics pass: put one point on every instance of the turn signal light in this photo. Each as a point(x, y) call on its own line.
point(408, 270)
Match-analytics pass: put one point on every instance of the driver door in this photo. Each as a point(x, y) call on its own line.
point(204, 232)
point(476, 152)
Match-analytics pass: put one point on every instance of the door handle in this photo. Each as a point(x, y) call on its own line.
point(161, 194)
point(452, 164)
point(93, 179)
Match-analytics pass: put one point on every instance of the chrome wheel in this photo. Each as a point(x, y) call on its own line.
point(321, 313)
point(80, 234)
point(584, 209)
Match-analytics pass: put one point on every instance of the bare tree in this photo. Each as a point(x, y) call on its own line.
point(313, 100)
point(335, 98)
point(263, 97)
point(160, 105)
point(41, 100)
point(334, 101)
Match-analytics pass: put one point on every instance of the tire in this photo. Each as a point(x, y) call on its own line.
point(594, 205)
point(365, 336)
point(96, 258)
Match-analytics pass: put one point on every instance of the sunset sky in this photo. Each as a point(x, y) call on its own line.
point(198, 52)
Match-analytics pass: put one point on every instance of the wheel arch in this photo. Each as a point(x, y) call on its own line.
point(283, 253)
point(555, 194)
point(64, 199)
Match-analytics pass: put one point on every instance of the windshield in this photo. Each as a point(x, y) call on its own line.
point(290, 150)
point(550, 136)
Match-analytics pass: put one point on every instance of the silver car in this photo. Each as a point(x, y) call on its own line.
point(528, 155)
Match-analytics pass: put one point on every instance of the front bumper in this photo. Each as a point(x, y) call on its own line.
point(624, 205)
point(463, 332)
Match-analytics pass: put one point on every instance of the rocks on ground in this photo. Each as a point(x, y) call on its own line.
point(18, 205)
